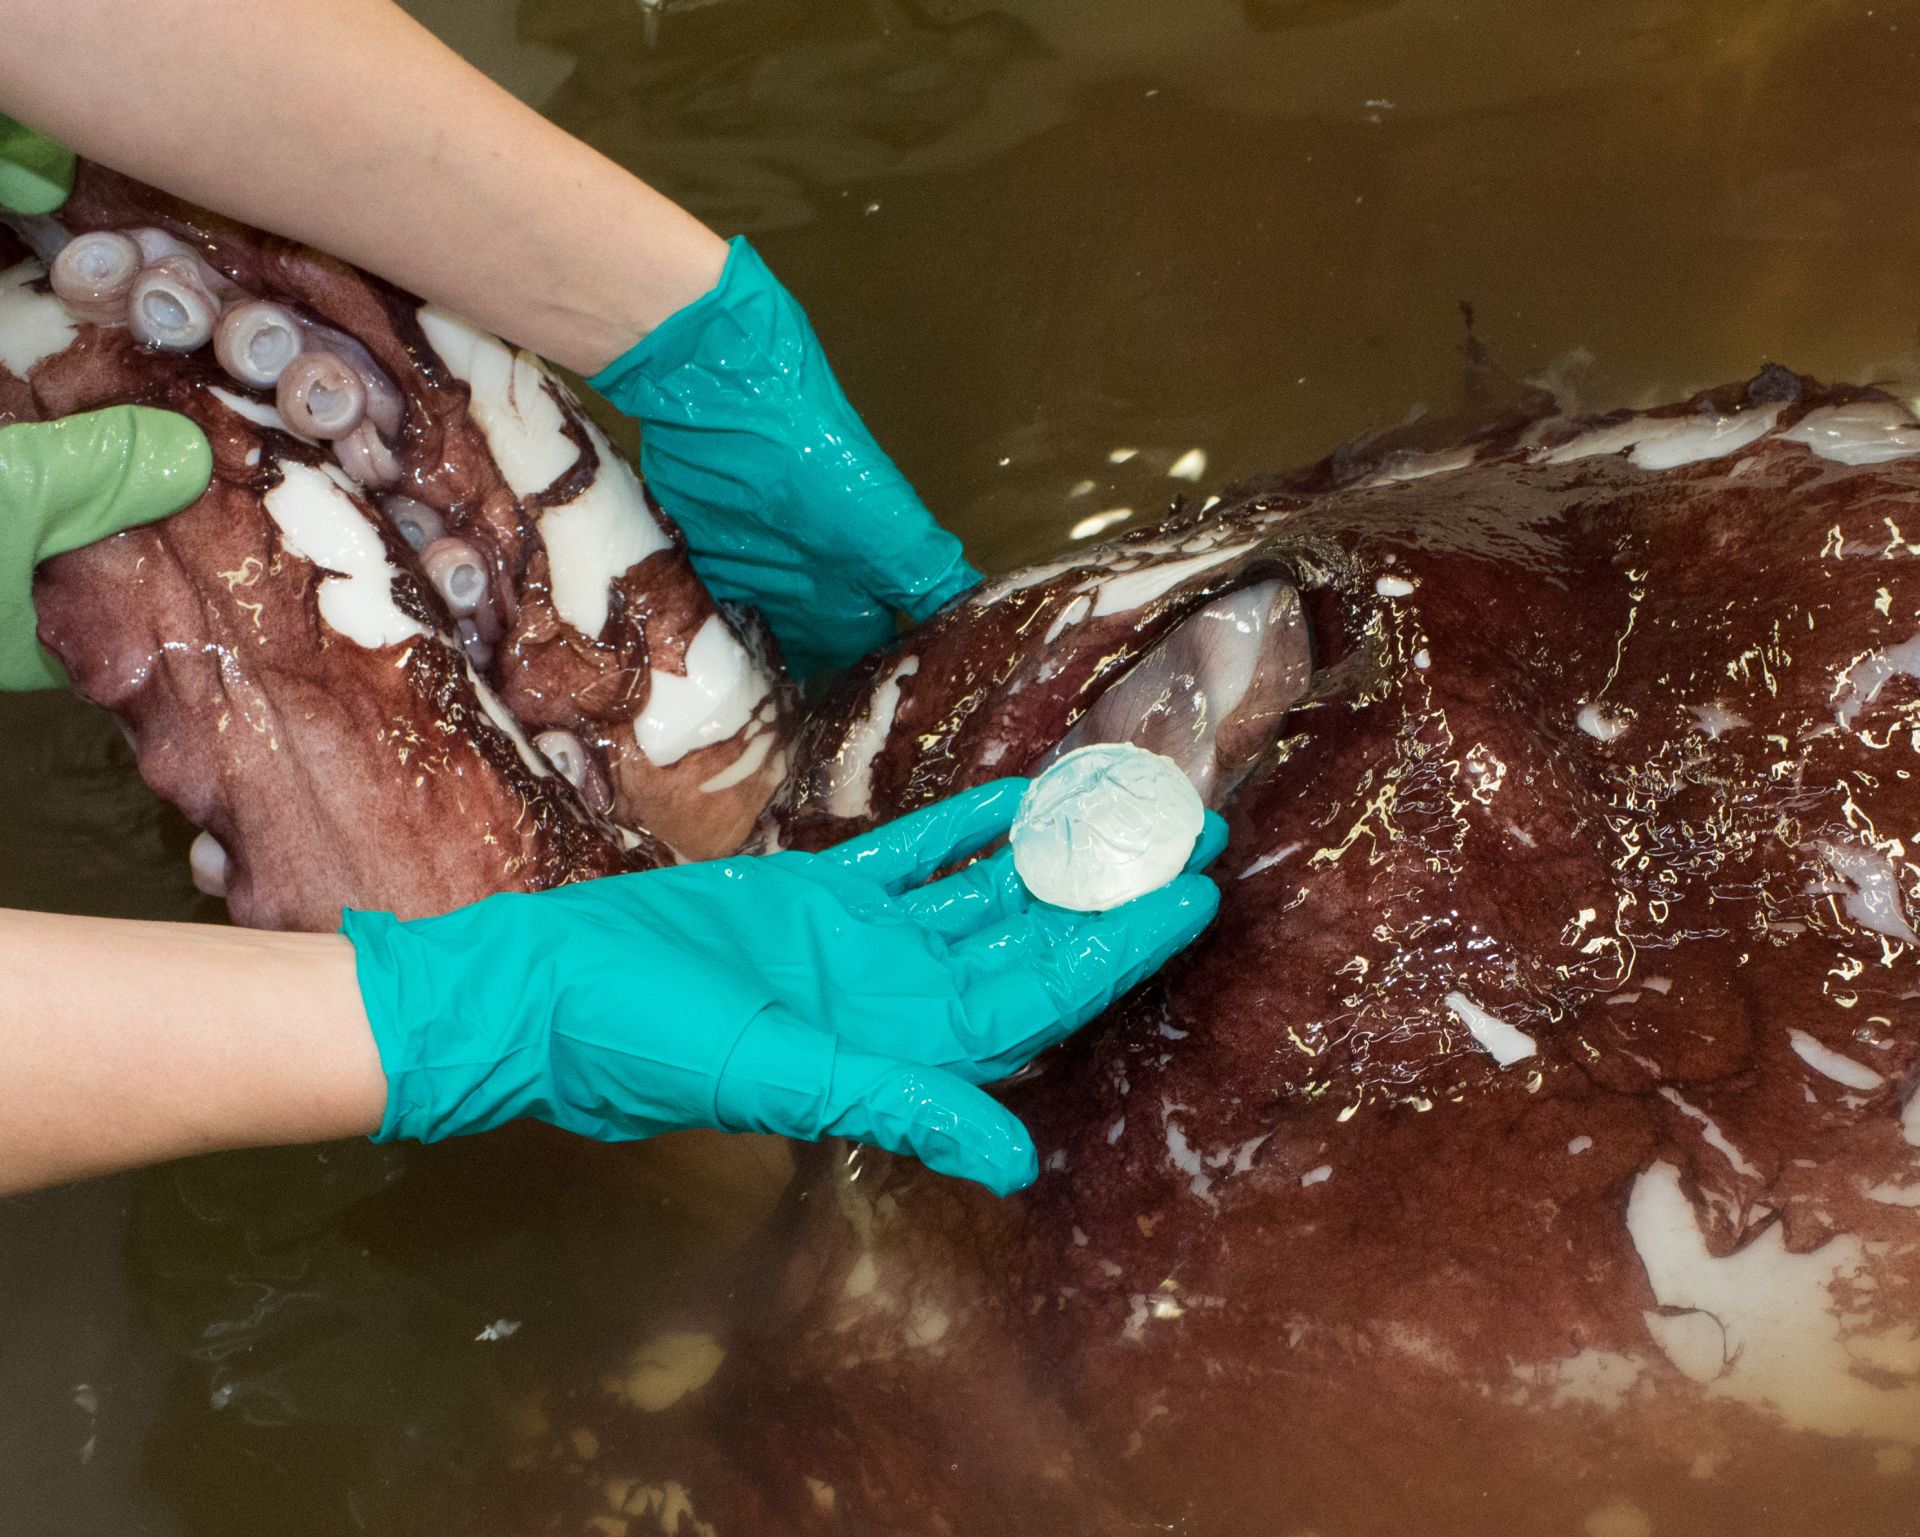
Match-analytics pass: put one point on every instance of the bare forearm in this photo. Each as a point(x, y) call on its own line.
point(128, 1043)
point(346, 124)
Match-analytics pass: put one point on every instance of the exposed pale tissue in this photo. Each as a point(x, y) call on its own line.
point(1104, 825)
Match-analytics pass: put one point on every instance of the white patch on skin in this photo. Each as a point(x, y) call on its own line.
point(509, 402)
point(1189, 466)
point(595, 539)
point(1869, 889)
point(502, 717)
point(1268, 861)
point(1601, 1377)
point(667, 1368)
point(994, 591)
point(1889, 1194)
point(850, 781)
point(927, 1324)
point(1910, 1120)
point(1423, 659)
point(256, 411)
point(716, 695)
point(33, 326)
point(743, 767)
point(1121, 455)
point(1710, 1133)
point(862, 1277)
point(1579, 1145)
point(1128, 590)
point(1715, 719)
point(1830, 1064)
point(1660, 985)
point(1763, 1327)
point(1599, 724)
point(1183, 1157)
point(1499, 1039)
point(1618, 1519)
point(1860, 432)
point(320, 522)
point(1860, 684)
point(1668, 442)
point(1317, 1176)
point(1394, 587)
point(1068, 617)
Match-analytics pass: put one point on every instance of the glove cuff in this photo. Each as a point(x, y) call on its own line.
point(449, 1071)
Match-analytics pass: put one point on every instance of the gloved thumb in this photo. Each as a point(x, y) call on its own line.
point(788, 1078)
point(67, 483)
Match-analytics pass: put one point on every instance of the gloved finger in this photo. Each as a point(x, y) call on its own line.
point(987, 892)
point(905, 851)
point(35, 173)
point(75, 480)
point(795, 1081)
point(990, 891)
point(1040, 977)
point(100, 472)
point(1113, 952)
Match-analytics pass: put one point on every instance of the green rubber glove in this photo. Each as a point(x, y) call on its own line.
point(69, 482)
point(786, 500)
point(804, 994)
point(35, 173)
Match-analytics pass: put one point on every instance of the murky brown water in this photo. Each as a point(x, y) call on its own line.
point(1035, 235)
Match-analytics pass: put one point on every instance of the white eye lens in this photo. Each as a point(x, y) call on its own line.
point(1104, 825)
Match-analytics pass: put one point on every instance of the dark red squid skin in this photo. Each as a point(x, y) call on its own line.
point(1388, 1285)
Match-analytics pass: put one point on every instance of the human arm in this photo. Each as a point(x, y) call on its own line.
point(847, 993)
point(128, 1043)
point(346, 124)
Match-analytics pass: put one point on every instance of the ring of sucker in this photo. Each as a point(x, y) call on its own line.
point(1538, 1115)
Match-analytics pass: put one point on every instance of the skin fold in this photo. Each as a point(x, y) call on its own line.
point(1529, 1144)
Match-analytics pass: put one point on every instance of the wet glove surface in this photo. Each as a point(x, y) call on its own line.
point(69, 482)
point(786, 500)
point(35, 173)
point(809, 995)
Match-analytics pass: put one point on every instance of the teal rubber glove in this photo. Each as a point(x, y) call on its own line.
point(838, 994)
point(69, 482)
point(787, 502)
point(35, 173)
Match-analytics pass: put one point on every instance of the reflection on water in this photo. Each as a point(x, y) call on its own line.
point(1035, 235)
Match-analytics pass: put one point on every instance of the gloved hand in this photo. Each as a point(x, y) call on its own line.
point(69, 482)
point(805, 994)
point(35, 173)
point(786, 500)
